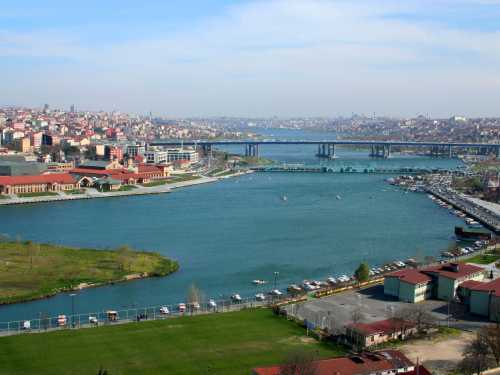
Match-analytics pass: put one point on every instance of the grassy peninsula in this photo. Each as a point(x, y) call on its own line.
point(31, 271)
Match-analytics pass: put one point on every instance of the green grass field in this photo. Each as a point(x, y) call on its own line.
point(483, 259)
point(41, 194)
point(155, 183)
point(30, 271)
point(226, 343)
point(180, 178)
point(75, 192)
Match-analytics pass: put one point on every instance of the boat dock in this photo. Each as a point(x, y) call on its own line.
point(490, 219)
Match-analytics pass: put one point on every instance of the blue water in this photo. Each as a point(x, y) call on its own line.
point(228, 233)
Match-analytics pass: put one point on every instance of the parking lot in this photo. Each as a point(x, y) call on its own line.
point(370, 305)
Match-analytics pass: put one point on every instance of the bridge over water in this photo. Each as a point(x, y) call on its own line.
point(327, 148)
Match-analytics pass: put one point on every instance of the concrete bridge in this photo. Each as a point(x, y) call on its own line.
point(327, 148)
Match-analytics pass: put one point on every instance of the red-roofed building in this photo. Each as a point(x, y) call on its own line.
point(482, 298)
point(379, 362)
point(38, 184)
point(364, 335)
point(440, 281)
point(408, 285)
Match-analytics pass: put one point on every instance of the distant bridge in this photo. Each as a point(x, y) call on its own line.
point(327, 148)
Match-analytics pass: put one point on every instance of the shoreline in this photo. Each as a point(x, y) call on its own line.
point(139, 190)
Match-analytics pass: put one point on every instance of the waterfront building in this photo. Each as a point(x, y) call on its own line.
point(38, 184)
point(439, 282)
point(365, 335)
point(377, 362)
point(156, 156)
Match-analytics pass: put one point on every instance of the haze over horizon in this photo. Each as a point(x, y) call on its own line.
point(254, 58)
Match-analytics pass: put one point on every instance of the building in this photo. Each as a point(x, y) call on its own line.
point(171, 155)
point(134, 150)
point(481, 298)
point(365, 335)
point(23, 145)
point(408, 285)
point(20, 168)
point(156, 157)
point(38, 184)
point(113, 153)
point(441, 281)
point(374, 363)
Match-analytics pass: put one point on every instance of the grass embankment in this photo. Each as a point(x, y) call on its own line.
point(228, 343)
point(483, 259)
point(126, 188)
point(155, 183)
point(31, 271)
point(41, 194)
point(4, 196)
point(181, 178)
point(75, 192)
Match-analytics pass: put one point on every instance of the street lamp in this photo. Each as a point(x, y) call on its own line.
point(73, 295)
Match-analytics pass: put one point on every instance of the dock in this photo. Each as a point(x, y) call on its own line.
point(301, 168)
point(490, 219)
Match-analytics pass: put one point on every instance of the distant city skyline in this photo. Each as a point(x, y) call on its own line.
point(254, 58)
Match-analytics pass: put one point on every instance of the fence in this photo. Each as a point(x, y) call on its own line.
point(114, 317)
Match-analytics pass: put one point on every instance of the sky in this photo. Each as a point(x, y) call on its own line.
point(262, 58)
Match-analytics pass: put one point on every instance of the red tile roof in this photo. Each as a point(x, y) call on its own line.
point(410, 276)
point(60, 178)
point(382, 326)
point(446, 270)
point(490, 287)
point(366, 363)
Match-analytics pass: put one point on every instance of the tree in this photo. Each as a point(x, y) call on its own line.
point(194, 294)
point(124, 257)
point(491, 336)
point(475, 359)
point(418, 314)
point(299, 363)
point(362, 273)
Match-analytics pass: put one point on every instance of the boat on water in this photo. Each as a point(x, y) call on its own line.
point(294, 288)
point(259, 282)
point(338, 197)
point(284, 198)
point(472, 233)
point(236, 297)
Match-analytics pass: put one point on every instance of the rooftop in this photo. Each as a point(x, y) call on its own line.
point(453, 270)
point(410, 276)
point(381, 326)
point(365, 363)
point(491, 286)
point(61, 178)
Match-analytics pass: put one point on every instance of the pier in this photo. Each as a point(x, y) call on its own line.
point(486, 217)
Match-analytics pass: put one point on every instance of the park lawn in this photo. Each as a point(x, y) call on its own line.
point(40, 194)
point(225, 343)
point(181, 178)
point(483, 259)
point(75, 192)
point(155, 183)
point(31, 271)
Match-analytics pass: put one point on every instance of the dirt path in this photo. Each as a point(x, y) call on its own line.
point(439, 355)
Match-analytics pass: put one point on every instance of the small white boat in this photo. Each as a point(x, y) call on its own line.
point(275, 292)
point(284, 198)
point(236, 297)
point(164, 310)
point(260, 297)
point(259, 282)
point(212, 304)
point(181, 307)
point(332, 280)
point(338, 197)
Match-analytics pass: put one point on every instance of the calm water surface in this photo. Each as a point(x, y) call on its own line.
point(228, 233)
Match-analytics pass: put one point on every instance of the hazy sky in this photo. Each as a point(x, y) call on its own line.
point(253, 58)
